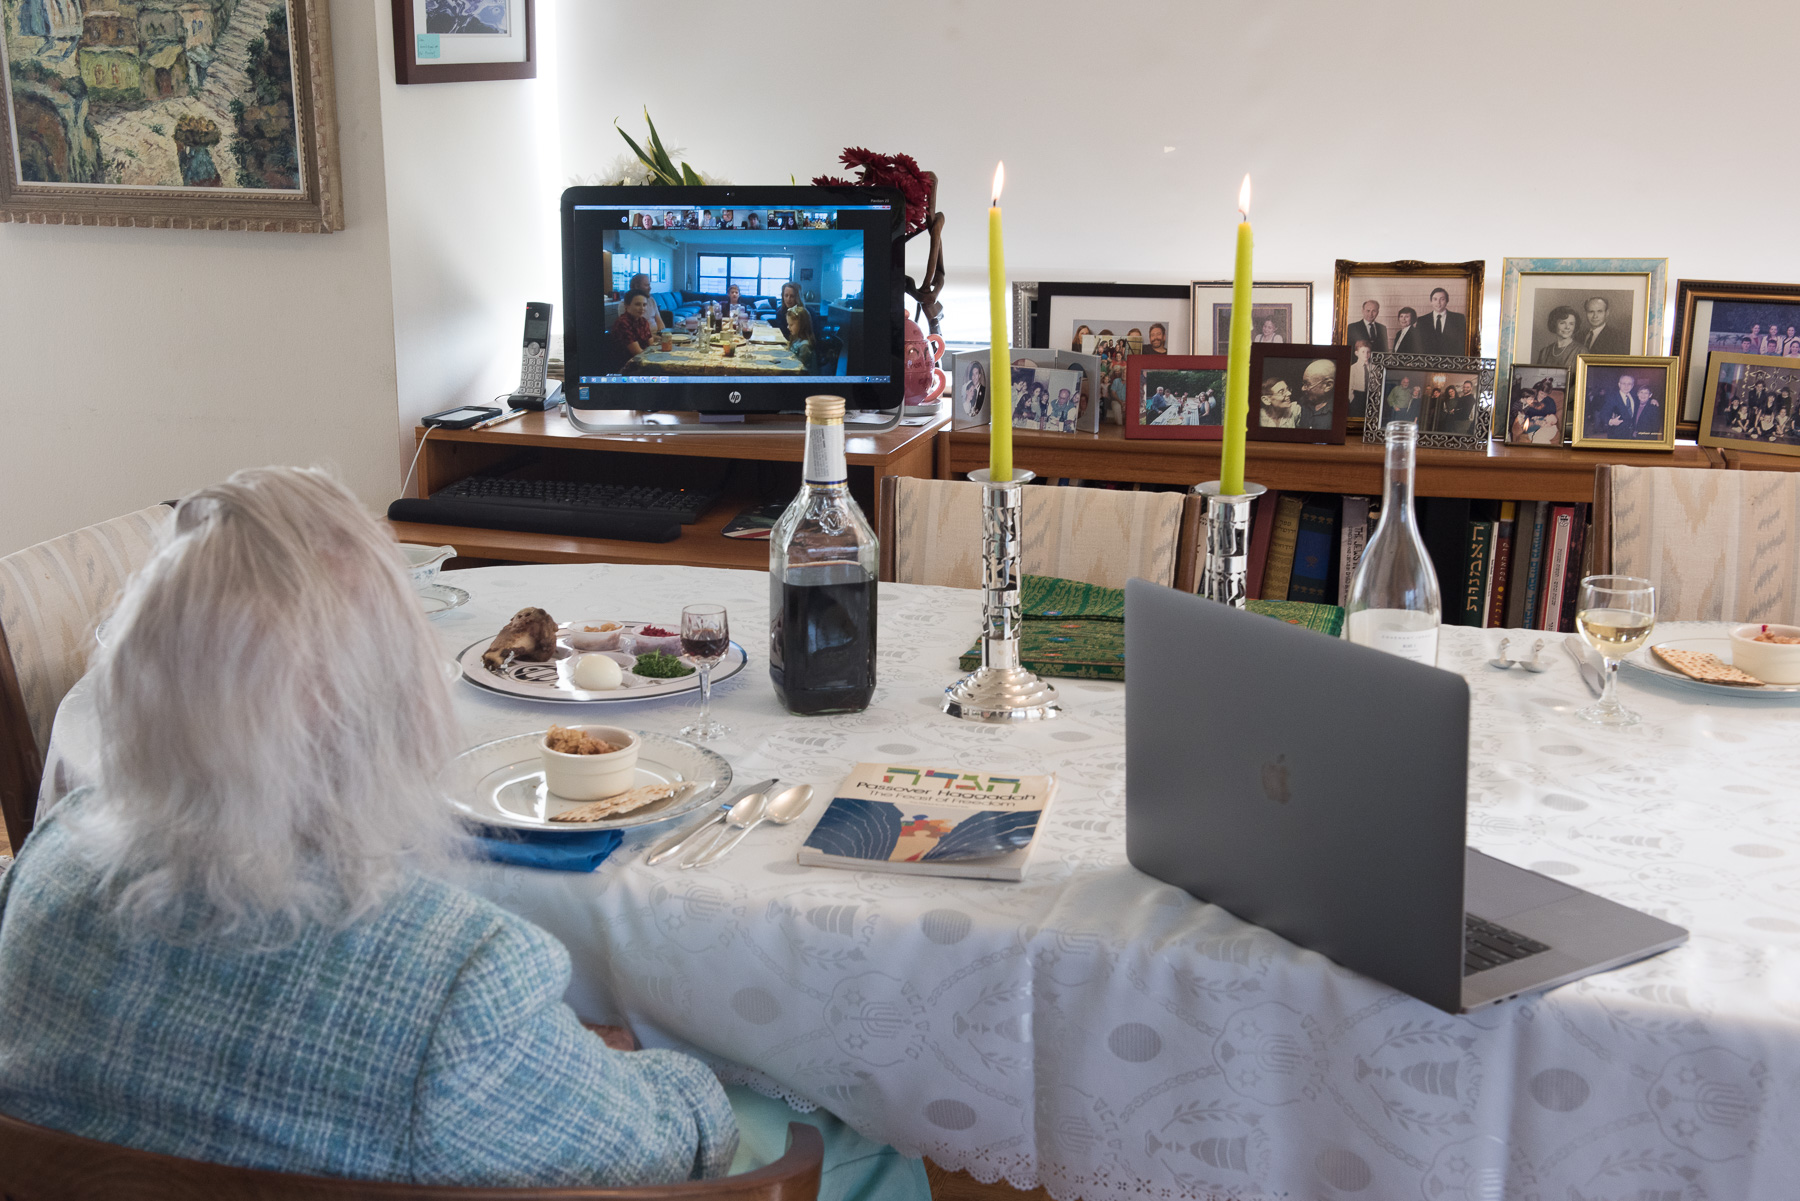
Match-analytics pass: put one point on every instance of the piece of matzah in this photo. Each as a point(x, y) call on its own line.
point(612, 806)
point(1707, 668)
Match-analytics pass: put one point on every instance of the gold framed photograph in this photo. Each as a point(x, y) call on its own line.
point(1409, 307)
point(1625, 401)
point(1554, 310)
point(1750, 403)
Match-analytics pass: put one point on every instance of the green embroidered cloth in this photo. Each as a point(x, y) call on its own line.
point(1077, 630)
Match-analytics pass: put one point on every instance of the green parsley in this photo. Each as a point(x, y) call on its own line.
point(658, 666)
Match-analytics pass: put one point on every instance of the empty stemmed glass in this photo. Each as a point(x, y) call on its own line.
point(1616, 616)
point(705, 637)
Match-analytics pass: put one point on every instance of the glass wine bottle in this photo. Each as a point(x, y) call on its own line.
point(1394, 603)
point(823, 559)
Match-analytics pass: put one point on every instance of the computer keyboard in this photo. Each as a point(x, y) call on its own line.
point(629, 512)
point(1487, 945)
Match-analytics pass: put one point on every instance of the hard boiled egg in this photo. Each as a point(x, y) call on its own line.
point(597, 673)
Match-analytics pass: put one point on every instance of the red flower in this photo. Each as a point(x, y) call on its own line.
point(898, 171)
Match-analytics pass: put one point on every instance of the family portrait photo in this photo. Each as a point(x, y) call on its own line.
point(1113, 350)
point(1624, 401)
point(1537, 415)
point(1046, 398)
point(1729, 317)
point(1449, 397)
point(1432, 308)
point(1751, 403)
point(1299, 393)
point(1769, 329)
point(1181, 396)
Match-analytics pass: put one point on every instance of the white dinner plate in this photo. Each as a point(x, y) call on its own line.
point(501, 783)
point(441, 598)
point(1648, 663)
point(551, 681)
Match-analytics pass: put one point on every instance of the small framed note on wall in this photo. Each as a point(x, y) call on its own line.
point(461, 41)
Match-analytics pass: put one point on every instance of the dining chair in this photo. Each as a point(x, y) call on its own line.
point(40, 1164)
point(930, 533)
point(1718, 545)
point(52, 596)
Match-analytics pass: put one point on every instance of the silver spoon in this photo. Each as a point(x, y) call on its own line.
point(1534, 663)
point(746, 813)
point(1500, 660)
point(783, 808)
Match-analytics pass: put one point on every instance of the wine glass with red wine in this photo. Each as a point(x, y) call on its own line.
point(705, 637)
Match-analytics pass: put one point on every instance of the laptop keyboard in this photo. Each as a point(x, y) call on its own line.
point(1486, 945)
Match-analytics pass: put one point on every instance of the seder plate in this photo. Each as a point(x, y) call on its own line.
point(501, 783)
point(1649, 664)
point(551, 681)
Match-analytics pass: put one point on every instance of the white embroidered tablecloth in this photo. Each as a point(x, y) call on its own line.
point(1109, 1036)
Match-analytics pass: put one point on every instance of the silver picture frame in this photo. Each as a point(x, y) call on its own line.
point(1482, 421)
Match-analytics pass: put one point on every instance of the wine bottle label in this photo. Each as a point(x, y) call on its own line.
point(1418, 645)
point(825, 454)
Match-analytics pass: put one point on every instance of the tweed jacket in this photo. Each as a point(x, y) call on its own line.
point(428, 1043)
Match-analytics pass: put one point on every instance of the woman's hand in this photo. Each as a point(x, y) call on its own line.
point(619, 1038)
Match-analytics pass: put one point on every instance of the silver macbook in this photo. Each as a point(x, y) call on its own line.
point(1319, 789)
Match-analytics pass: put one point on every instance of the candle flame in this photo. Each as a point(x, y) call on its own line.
point(1244, 198)
point(1000, 181)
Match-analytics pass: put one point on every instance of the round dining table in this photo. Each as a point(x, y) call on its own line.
point(1108, 1036)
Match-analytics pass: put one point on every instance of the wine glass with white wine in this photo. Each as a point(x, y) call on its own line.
point(1616, 616)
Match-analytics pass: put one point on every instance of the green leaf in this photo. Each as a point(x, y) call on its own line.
point(663, 162)
point(689, 178)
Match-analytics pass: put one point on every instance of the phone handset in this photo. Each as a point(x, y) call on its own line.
point(535, 358)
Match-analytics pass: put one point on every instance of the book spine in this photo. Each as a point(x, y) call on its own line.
point(1476, 557)
point(1519, 558)
point(1556, 566)
point(1262, 523)
point(1351, 540)
point(1501, 569)
point(1534, 567)
point(1280, 570)
point(1312, 553)
point(1576, 570)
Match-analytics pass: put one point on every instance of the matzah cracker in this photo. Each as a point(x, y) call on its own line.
point(612, 806)
point(1709, 669)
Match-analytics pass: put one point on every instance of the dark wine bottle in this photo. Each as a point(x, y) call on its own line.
point(822, 581)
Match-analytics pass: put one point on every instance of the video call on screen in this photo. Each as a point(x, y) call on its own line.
point(673, 295)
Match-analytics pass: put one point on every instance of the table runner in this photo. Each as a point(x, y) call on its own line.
point(1109, 1036)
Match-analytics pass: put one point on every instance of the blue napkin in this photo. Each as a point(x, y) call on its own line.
point(553, 852)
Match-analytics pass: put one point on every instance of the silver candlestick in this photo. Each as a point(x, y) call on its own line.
point(1225, 575)
point(1000, 690)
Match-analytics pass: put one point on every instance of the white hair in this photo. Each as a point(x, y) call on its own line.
point(273, 717)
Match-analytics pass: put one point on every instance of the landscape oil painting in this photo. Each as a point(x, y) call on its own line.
point(153, 108)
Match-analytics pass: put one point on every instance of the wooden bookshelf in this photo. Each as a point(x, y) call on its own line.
point(1750, 460)
point(559, 450)
point(1502, 473)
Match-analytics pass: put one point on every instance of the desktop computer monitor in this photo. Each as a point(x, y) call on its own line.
point(732, 300)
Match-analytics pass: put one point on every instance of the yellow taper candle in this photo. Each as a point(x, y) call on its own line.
point(1237, 374)
point(1000, 465)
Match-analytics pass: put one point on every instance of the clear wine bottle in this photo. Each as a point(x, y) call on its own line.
point(823, 562)
point(1394, 603)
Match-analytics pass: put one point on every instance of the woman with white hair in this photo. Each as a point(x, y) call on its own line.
point(235, 948)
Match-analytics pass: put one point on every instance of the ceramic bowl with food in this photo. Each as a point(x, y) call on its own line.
point(591, 776)
point(1756, 649)
point(424, 561)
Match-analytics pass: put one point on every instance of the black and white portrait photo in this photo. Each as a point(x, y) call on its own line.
point(1403, 310)
point(1573, 321)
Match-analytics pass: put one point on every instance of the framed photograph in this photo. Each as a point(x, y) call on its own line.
point(969, 389)
point(464, 41)
point(1045, 398)
point(1553, 310)
point(1279, 312)
point(1737, 318)
point(161, 115)
point(1151, 318)
point(1409, 307)
point(1624, 402)
point(1751, 403)
point(1299, 393)
point(1179, 396)
point(1024, 313)
point(1450, 396)
point(1538, 412)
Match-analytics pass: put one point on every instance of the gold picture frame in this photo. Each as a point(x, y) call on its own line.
point(199, 131)
point(1596, 411)
point(1719, 371)
point(1402, 278)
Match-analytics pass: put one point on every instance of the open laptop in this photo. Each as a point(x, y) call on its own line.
point(1319, 789)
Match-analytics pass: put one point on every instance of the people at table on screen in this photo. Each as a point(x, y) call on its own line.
point(631, 333)
point(640, 286)
point(1406, 338)
point(1157, 340)
point(800, 338)
point(734, 299)
point(1318, 384)
point(1401, 402)
point(1278, 408)
point(790, 298)
point(1367, 327)
point(1440, 330)
point(1601, 335)
point(1562, 325)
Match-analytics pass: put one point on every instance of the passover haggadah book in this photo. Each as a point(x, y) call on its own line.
point(930, 821)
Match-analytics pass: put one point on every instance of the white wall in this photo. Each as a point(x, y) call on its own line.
point(1375, 131)
point(137, 364)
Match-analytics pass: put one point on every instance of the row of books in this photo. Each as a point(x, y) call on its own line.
point(1513, 564)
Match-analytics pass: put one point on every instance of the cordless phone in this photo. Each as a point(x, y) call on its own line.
point(534, 358)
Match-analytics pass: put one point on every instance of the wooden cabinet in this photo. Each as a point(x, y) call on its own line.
point(750, 467)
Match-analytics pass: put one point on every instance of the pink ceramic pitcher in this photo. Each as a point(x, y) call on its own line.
point(925, 380)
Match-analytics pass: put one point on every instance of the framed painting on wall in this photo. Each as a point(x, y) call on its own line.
point(464, 41)
point(207, 114)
